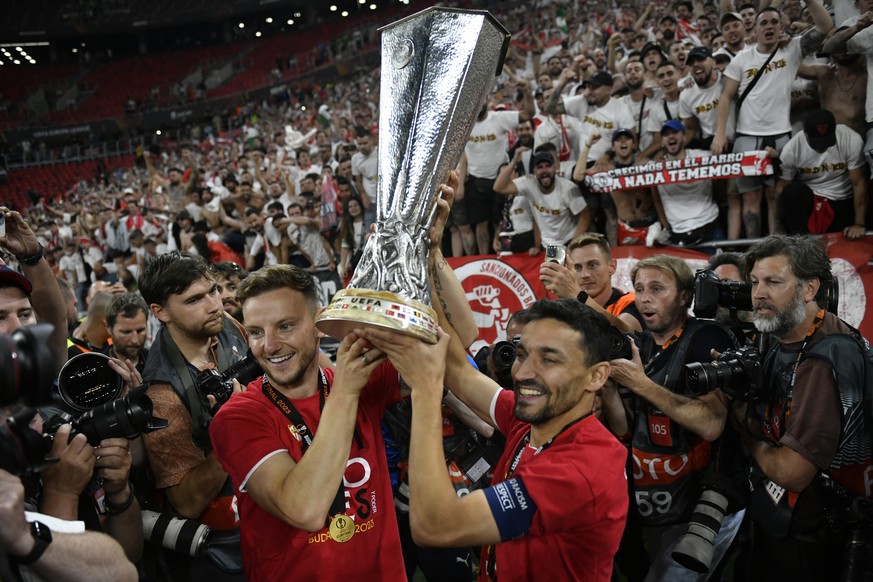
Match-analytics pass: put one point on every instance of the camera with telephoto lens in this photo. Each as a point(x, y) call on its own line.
point(694, 549)
point(711, 292)
point(185, 536)
point(126, 417)
point(88, 385)
point(737, 373)
point(220, 384)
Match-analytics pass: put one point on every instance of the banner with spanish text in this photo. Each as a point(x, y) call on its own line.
point(715, 167)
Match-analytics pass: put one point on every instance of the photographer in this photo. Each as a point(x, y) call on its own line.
point(673, 429)
point(35, 296)
point(196, 335)
point(126, 322)
point(826, 436)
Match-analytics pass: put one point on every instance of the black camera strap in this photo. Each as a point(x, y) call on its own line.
point(287, 408)
point(199, 413)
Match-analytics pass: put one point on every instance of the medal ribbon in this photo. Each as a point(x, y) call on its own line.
point(287, 408)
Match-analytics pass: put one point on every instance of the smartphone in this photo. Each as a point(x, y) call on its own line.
point(2, 224)
point(556, 254)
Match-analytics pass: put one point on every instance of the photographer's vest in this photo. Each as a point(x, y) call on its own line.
point(851, 362)
point(170, 368)
point(668, 460)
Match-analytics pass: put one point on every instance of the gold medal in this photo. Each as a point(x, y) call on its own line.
point(341, 529)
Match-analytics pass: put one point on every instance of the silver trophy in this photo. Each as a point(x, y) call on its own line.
point(437, 69)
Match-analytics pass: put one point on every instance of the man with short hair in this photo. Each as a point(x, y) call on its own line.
point(673, 425)
point(587, 277)
point(664, 108)
point(686, 210)
point(763, 117)
point(637, 101)
point(126, 322)
point(559, 210)
point(816, 370)
point(195, 336)
point(558, 503)
point(229, 275)
point(293, 517)
point(823, 185)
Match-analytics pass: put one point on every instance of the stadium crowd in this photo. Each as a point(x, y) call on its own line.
point(597, 458)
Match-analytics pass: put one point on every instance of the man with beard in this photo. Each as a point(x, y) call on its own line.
point(698, 109)
point(637, 100)
point(634, 208)
point(525, 133)
point(666, 32)
point(195, 336)
point(304, 444)
point(826, 432)
point(126, 323)
point(686, 210)
point(558, 503)
point(365, 170)
point(763, 117)
point(673, 426)
point(559, 210)
point(678, 55)
point(229, 275)
point(595, 108)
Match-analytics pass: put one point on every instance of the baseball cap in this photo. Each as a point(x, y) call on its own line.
point(620, 132)
point(649, 47)
point(541, 157)
point(183, 215)
point(820, 128)
point(698, 52)
point(673, 125)
point(10, 276)
point(728, 17)
point(599, 79)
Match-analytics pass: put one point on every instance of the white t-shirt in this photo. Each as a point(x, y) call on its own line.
point(826, 173)
point(488, 143)
point(703, 104)
point(658, 115)
point(555, 213)
point(639, 109)
point(862, 43)
point(521, 215)
point(367, 167)
point(605, 120)
point(563, 134)
point(689, 205)
point(765, 109)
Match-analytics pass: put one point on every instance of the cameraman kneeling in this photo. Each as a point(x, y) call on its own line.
point(806, 429)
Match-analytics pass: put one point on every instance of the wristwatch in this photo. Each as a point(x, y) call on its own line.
point(42, 537)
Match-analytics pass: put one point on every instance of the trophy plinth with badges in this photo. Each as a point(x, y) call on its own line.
point(438, 67)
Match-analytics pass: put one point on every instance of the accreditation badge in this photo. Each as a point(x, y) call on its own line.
point(341, 529)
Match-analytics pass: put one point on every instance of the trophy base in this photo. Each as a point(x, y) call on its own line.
point(355, 308)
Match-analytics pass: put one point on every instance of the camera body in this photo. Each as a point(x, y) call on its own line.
point(125, 417)
point(502, 356)
point(738, 373)
point(220, 384)
point(711, 292)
